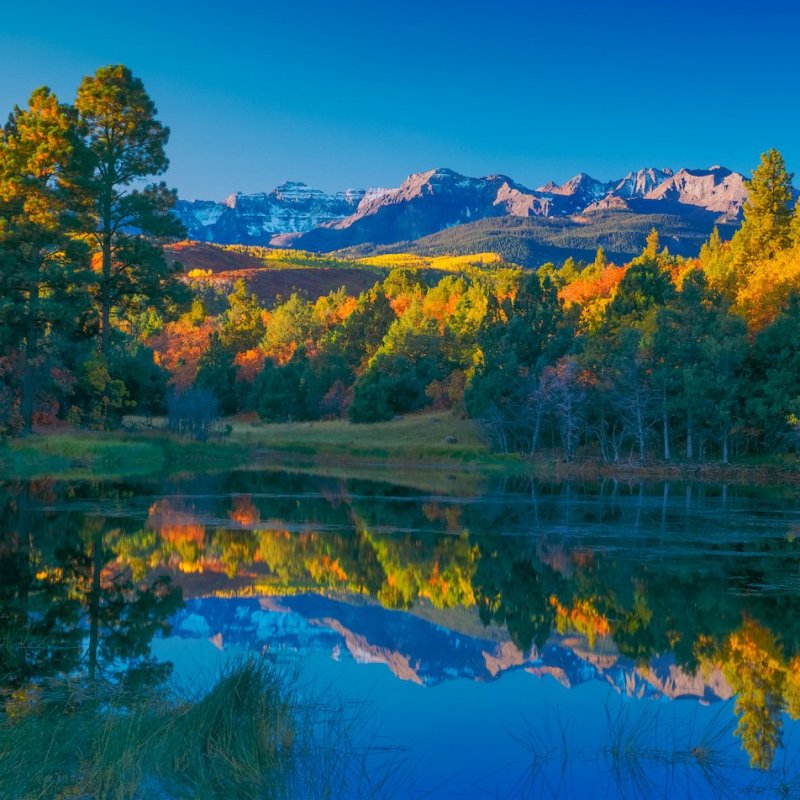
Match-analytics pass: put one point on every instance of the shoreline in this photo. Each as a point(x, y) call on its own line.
point(406, 450)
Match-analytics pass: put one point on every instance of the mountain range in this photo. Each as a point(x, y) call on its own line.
point(470, 213)
point(429, 653)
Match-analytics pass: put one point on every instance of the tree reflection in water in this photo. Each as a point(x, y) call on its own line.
point(69, 606)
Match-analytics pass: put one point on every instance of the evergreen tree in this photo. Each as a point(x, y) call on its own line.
point(644, 286)
point(767, 214)
point(126, 145)
point(775, 376)
point(526, 334)
point(39, 262)
point(699, 351)
point(216, 372)
point(600, 259)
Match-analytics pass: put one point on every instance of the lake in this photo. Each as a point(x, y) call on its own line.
point(516, 639)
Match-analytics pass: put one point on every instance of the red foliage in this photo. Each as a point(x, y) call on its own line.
point(583, 290)
point(179, 348)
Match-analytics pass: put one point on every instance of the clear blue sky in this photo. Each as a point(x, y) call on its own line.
point(341, 94)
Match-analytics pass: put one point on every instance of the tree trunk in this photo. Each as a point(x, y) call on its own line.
point(94, 603)
point(105, 294)
point(689, 443)
point(601, 435)
point(640, 432)
point(665, 422)
point(29, 352)
point(537, 426)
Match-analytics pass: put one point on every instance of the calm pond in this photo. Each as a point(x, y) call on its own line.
point(533, 640)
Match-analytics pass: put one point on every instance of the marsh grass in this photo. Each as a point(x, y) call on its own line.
point(407, 451)
point(92, 454)
point(74, 453)
point(644, 743)
point(248, 736)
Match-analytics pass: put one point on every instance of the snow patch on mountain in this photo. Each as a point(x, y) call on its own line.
point(639, 183)
point(241, 218)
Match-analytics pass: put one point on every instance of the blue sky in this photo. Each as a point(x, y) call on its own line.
point(341, 94)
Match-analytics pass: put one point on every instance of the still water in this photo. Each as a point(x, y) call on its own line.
point(514, 640)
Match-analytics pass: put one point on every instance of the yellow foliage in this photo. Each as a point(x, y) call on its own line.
point(753, 665)
point(443, 263)
point(792, 691)
point(767, 287)
point(583, 618)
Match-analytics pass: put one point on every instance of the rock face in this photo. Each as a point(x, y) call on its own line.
point(716, 189)
point(424, 203)
point(255, 218)
point(427, 202)
point(576, 194)
point(432, 201)
point(638, 184)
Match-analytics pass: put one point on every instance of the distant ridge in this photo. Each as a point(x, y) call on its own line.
point(689, 202)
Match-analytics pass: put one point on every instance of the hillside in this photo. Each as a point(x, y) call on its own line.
point(533, 241)
point(271, 274)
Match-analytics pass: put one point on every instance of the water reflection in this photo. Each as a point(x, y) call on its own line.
point(681, 591)
point(69, 603)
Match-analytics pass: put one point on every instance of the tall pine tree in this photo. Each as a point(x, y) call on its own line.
point(767, 213)
point(126, 144)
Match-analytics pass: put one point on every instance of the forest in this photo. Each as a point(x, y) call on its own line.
point(660, 358)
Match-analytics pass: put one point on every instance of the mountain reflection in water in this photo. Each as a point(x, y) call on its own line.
point(673, 591)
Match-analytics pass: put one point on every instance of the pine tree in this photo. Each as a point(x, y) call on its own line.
point(699, 348)
point(767, 214)
point(600, 259)
point(126, 145)
point(651, 247)
point(40, 152)
point(796, 224)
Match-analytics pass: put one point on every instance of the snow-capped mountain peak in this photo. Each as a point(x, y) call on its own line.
point(436, 199)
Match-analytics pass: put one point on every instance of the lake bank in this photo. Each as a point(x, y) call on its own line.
point(432, 449)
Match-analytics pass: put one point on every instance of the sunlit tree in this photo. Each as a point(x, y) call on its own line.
point(40, 264)
point(127, 146)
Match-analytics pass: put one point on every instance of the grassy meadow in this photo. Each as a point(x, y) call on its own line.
point(412, 449)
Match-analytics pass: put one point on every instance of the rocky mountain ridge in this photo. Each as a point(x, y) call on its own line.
point(295, 215)
point(429, 654)
point(256, 218)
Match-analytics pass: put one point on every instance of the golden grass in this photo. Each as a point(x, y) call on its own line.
point(412, 438)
